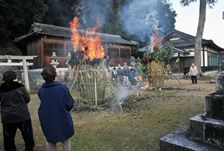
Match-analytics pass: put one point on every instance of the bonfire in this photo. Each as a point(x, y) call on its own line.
point(88, 73)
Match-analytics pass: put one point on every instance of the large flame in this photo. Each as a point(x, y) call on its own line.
point(89, 42)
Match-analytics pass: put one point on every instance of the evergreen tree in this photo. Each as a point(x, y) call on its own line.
point(60, 12)
point(17, 15)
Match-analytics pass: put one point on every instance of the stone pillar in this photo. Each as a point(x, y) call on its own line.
point(220, 83)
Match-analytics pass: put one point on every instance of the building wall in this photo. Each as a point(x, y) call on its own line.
point(119, 54)
point(43, 47)
point(59, 46)
point(34, 48)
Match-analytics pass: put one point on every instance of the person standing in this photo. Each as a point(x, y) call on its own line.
point(54, 111)
point(114, 75)
point(14, 112)
point(132, 77)
point(125, 75)
point(193, 73)
point(119, 74)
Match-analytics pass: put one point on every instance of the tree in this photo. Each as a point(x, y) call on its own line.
point(60, 12)
point(200, 28)
point(15, 19)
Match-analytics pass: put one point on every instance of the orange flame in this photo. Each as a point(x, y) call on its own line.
point(90, 42)
point(156, 40)
point(139, 78)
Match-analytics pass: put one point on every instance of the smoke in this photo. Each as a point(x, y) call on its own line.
point(139, 17)
point(91, 11)
point(121, 95)
point(142, 18)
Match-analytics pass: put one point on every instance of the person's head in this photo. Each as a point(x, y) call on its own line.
point(9, 76)
point(49, 73)
point(192, 64)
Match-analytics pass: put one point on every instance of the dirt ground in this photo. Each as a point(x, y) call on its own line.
point(138, 127)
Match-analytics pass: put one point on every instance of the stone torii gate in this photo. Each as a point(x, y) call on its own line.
point(8, 60)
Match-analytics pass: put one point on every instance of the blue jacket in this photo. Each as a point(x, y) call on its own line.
point(55, 118)
point(132, 75)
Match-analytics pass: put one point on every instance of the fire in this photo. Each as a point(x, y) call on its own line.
point(139, 78)
point(89, 42)
point(156, 40)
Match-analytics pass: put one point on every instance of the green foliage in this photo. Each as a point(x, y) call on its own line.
point(164, 53)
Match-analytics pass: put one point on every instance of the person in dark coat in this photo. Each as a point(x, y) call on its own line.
point(14, 112)
point(132, 77)
point(54, 111)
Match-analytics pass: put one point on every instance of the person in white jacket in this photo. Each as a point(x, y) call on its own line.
point(193, 73)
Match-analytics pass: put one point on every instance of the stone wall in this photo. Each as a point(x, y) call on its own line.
point(35, 78)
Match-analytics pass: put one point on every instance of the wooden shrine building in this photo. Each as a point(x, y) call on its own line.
point(42, 40)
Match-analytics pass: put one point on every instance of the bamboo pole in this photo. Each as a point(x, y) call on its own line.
point(95, 82)
point(76, 72)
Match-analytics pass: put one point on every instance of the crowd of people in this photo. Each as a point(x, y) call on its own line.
point(125, 76)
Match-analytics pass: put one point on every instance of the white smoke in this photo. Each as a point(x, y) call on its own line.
point(140, 17)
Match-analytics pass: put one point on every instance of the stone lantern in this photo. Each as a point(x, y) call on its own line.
point(54, 61)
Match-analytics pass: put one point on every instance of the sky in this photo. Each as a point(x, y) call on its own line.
point(187, 20)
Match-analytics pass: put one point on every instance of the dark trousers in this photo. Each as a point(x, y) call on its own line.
point(194, 79)
point(9, 132)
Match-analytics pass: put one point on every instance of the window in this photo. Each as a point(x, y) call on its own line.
point(213, 59)
point(113, 52)
point(125, 53)
point(57, 48)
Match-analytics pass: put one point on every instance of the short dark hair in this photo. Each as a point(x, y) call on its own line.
point(9, 76)
point(49, 73)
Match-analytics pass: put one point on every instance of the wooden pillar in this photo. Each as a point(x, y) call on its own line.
point(25, 72)
point(42, 53)
point(203, 55)
point(120, 59)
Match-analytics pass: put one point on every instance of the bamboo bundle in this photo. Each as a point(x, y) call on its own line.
point(93, 83)
point(156, 74)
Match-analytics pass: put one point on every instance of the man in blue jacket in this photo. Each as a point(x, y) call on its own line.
point(54, 111)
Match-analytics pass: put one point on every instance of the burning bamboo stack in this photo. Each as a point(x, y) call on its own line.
point(89, 73)
point(93, 84)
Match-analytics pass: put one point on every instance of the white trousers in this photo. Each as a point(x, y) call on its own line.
point(66, 145)
point(126, 81)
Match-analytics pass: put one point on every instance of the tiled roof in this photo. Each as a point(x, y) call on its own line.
point(185, 41)
point(51, 30)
